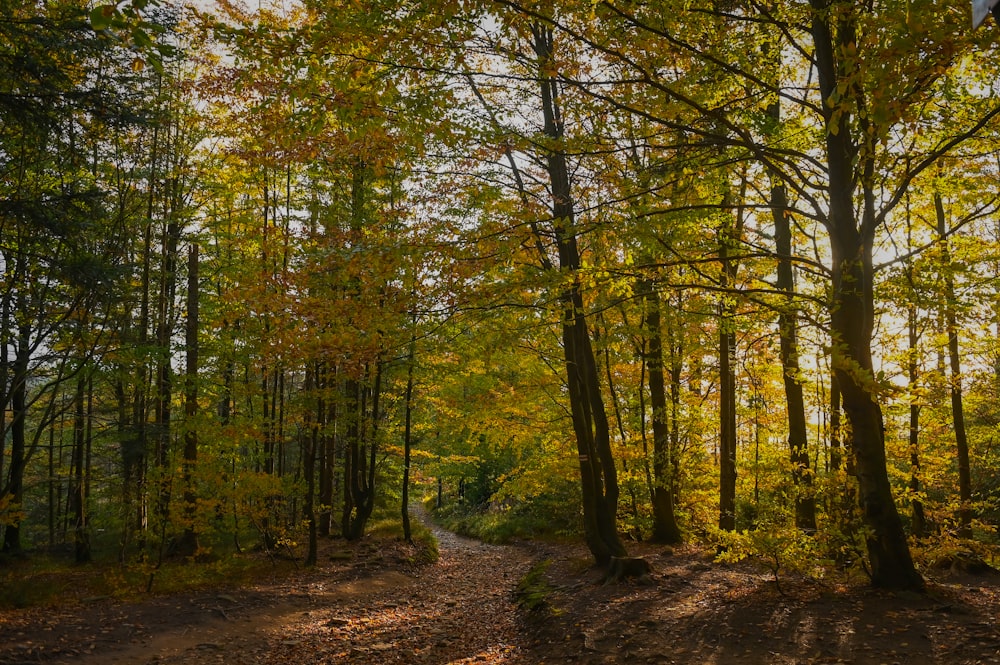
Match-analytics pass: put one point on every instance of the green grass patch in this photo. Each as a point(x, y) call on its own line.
point(502, 526)
point(387, 524)
point(533, 590)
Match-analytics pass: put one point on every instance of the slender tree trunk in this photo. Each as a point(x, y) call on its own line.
point(164, 372)
point(836, 447)
point(918, 519)
point(646, 466)
point(798, 442)
point(675, 342)
point(309, 464)
point(327, 455)
point(135, 449)
point(359, 470)
point(14, 490)
point(620, 422)
point(919, 526)
point(188, 545)
point(727, 386)
point(53, 506)
point(81, 535)
point(599, 480)
point(955, 365)
point(407, 438)
point(665, 528)
point(7, 340)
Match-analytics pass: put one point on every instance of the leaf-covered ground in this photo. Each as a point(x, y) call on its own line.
point(379, 607)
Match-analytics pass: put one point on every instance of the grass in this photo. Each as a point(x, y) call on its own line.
point(501, 527)
point(533, 589)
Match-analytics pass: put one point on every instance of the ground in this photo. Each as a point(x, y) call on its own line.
point(376, 605)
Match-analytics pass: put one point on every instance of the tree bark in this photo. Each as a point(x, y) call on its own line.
point(852, 318)
point(955, 365)
point(919, 521)
point(408, 440)
point(311, 441)
point(188, 545)
point(665, 528)
point(798, 441)
point(598, 476)
point(727, 387)
point(359, 390)
point(14, 490)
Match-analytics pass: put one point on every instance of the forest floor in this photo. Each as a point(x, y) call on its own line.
point(374, 604)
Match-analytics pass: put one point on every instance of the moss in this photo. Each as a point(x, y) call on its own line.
point(533, 590)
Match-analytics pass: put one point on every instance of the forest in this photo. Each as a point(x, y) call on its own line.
point(719, 273)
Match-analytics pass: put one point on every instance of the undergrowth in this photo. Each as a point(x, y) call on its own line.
point(533, 590)
point(500, 527)
point(45, 580)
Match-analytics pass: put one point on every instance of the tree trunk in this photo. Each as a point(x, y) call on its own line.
point(918, 519)
point(407, 439)
point(164, 371)
point(599, 481)
point(852, 318)
point(188, 545)
point(798, 442)
point(919, 525)
point(311, 441)
point(14, 491)
point(665, 528)
point(78, 500)
point(327, 453)
point(727, 387)
point(836, 447)
point(359, 459)
point(955, 365)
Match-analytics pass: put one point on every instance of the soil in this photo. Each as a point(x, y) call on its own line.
point(377, 606)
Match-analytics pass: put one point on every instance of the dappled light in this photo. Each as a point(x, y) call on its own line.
point(494, 331)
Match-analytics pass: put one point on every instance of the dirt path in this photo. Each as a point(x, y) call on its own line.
point(456, 611)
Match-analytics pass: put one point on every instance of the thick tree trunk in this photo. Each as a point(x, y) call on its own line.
point(852, 318)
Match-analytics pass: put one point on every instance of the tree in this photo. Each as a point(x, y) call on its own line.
point(598, 474)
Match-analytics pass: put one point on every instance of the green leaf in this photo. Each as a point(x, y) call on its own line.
point(141, 38)
point(101, 17)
